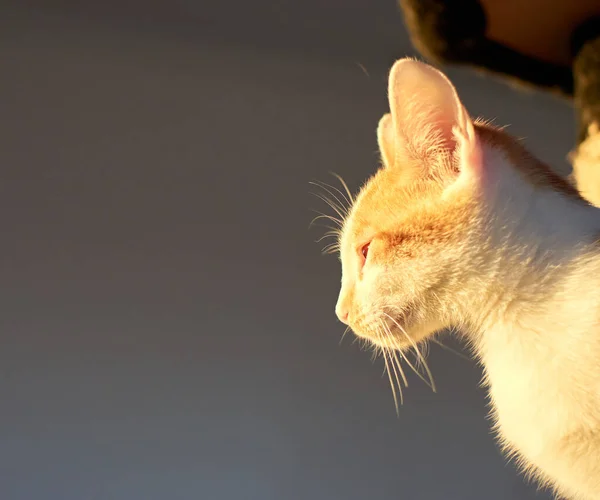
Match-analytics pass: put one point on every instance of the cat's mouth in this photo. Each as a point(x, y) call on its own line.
point(388, 329)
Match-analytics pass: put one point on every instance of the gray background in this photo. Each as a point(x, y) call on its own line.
point(167, 327)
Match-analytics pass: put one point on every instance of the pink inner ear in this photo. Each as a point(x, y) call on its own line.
point(386, 140)
point(425, 110)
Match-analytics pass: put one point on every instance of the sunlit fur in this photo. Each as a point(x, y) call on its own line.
point(586, 160)
point(468, 230)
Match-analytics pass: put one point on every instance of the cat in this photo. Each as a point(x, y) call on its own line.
point(463, 228)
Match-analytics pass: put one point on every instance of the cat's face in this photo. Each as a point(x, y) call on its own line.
point(405, 239)
point(402, 252)
point(432, 222)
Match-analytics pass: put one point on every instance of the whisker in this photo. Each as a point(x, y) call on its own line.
point(332, 233)
point(423, 349)
point(345, 186)
point(395, 366)
point(331, 248)
point(389, 373)
point(375, 352)
point(333, 219)
point(417, 372)
point(332, 244)
point(423, 363)
point(387, 369)
point(398, 385)
point(418, 353)
point(340, 203)
point(394, 352)
point(449, 349)
point(338, 210)
point(347, 201)
point(344, 334)
point(364, 70)
point(343, 205)
point(408, 362)
point(399, 365)
point(328, 234)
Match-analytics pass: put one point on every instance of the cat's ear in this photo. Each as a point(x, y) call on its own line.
point(386, 139)
point(431, 127)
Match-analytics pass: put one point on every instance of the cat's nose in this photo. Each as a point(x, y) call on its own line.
point(342, 314)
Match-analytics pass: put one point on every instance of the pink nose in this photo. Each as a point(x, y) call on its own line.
point(342, 314)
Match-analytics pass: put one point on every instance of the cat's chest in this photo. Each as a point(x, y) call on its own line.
point(529, 392)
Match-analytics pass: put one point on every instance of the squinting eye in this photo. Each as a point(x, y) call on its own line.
point(365, 250)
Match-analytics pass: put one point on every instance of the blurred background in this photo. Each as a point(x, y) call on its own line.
point(167, 328)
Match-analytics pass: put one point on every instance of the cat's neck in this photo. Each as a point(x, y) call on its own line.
point(537, 245)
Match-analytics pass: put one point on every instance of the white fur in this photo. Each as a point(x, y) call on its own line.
point(539, 337)
point(586, 165)
point(521, 275)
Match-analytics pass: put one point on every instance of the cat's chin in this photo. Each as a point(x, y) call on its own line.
point(399, 334)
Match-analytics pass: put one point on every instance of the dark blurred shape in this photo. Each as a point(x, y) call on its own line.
point(455, 31)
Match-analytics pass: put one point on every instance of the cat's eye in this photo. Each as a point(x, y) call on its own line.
point(365, 250)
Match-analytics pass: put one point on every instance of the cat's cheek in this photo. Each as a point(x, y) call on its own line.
point(367, 287)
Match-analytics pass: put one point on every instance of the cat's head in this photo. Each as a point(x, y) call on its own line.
point(414, 239)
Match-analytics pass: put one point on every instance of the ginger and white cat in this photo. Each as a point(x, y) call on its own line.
point(462, 227)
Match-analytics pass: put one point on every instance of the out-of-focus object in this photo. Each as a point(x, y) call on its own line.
point(552, 45)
